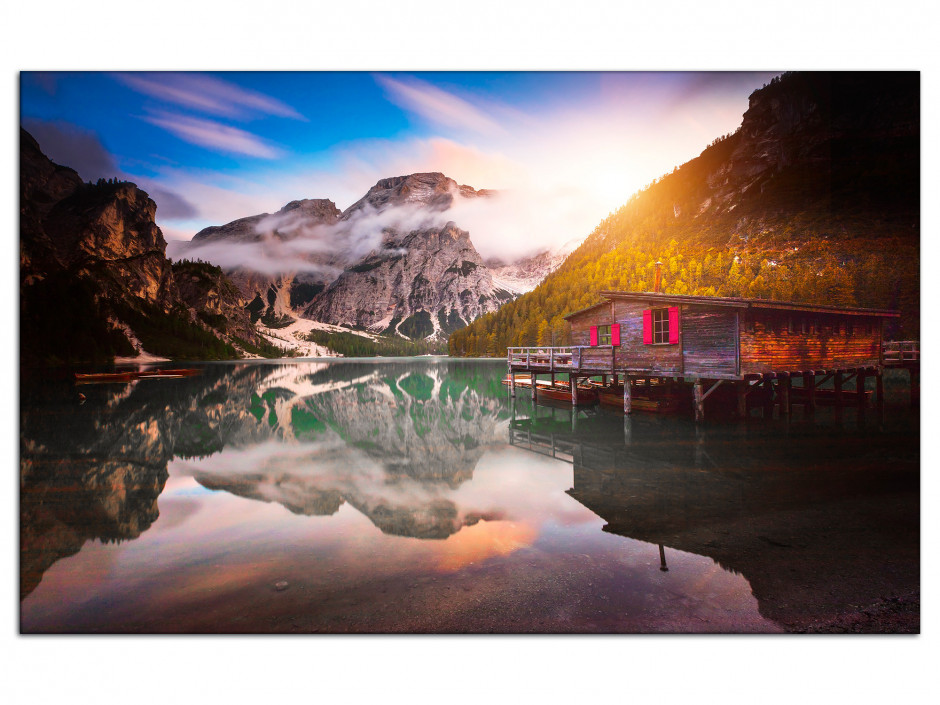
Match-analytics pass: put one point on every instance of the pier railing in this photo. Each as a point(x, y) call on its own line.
point(900, 352)
point(562, 359)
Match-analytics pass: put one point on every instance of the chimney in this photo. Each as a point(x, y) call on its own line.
point(659, 277)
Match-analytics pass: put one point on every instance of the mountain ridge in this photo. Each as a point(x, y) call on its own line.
point(396, 263)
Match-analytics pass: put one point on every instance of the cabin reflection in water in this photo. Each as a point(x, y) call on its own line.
point(823, 523)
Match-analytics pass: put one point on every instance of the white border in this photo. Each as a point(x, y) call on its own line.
point(488, 34)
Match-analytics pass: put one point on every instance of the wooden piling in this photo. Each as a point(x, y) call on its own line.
point(512, 383)
point(574, 389)
point(699, 401)
point(768, 385)
point(533, 378)
point(627, 395)
point(741, 390)
point(809, 384)
point(783, 386)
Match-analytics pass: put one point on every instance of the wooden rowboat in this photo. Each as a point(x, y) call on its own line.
point(563, 394)
point(104, 377)
point(613, 396)
point(131, 375)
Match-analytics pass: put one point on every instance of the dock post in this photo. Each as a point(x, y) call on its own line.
point(860, 388)
point(573, 383)
point(809, 387)
point(533, 377)
point(699, 401)
point(627, 430)
point(627, 395)
point(768, 385)
point(512, 383)
point(741, 389)
point(783, 386)
point(837, 382)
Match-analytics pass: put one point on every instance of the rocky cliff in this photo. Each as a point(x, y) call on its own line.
point(279, 261)
point(421, 283)
point(93, 269)
point(392, 262)
point(425, 278)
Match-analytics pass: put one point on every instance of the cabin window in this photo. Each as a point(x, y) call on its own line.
point(660, 325)
point(603, 335)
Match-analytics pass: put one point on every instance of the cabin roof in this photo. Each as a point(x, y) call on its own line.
point(732, 302)
point(585, 309)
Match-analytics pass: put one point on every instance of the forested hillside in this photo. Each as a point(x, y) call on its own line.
point(815, 198)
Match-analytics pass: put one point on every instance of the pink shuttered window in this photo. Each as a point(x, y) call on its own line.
point(674, 325)
point(661, 326)
point(593, 335)
point(615, 334)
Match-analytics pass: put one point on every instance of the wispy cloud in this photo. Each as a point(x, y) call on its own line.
point(214, 135)
point(438, 106)
point(208, 94)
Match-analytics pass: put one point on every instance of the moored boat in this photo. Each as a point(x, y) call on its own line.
point(560, 393)
point(613, 396)
point(131, 375)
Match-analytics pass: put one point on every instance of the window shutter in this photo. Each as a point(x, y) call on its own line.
point(647, 327)
point(593, 335)
point(615, 334)
point(674, 325)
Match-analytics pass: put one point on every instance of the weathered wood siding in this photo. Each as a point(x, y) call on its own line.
point(633, 355)
point(709, 343)
point(772, 347)
point(581, 324)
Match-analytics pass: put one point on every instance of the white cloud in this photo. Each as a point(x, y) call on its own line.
point(438, 106)
point(207, 94)
point(214, 135)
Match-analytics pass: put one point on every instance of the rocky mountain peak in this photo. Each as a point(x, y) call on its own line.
point(323, 209)
point(432, 190)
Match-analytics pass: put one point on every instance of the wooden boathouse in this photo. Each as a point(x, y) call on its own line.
point(639, 339)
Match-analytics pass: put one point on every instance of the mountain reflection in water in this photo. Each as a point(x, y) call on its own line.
point(414, 502)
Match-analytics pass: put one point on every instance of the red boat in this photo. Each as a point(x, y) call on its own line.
point(131, 375)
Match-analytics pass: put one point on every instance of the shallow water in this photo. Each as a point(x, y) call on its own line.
point(416, 496)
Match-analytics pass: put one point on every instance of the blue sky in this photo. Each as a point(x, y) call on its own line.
point(213, 147)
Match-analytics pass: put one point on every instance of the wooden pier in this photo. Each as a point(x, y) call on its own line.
point(747, 352)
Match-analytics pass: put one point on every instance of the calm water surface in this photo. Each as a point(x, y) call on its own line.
point(415, 496)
